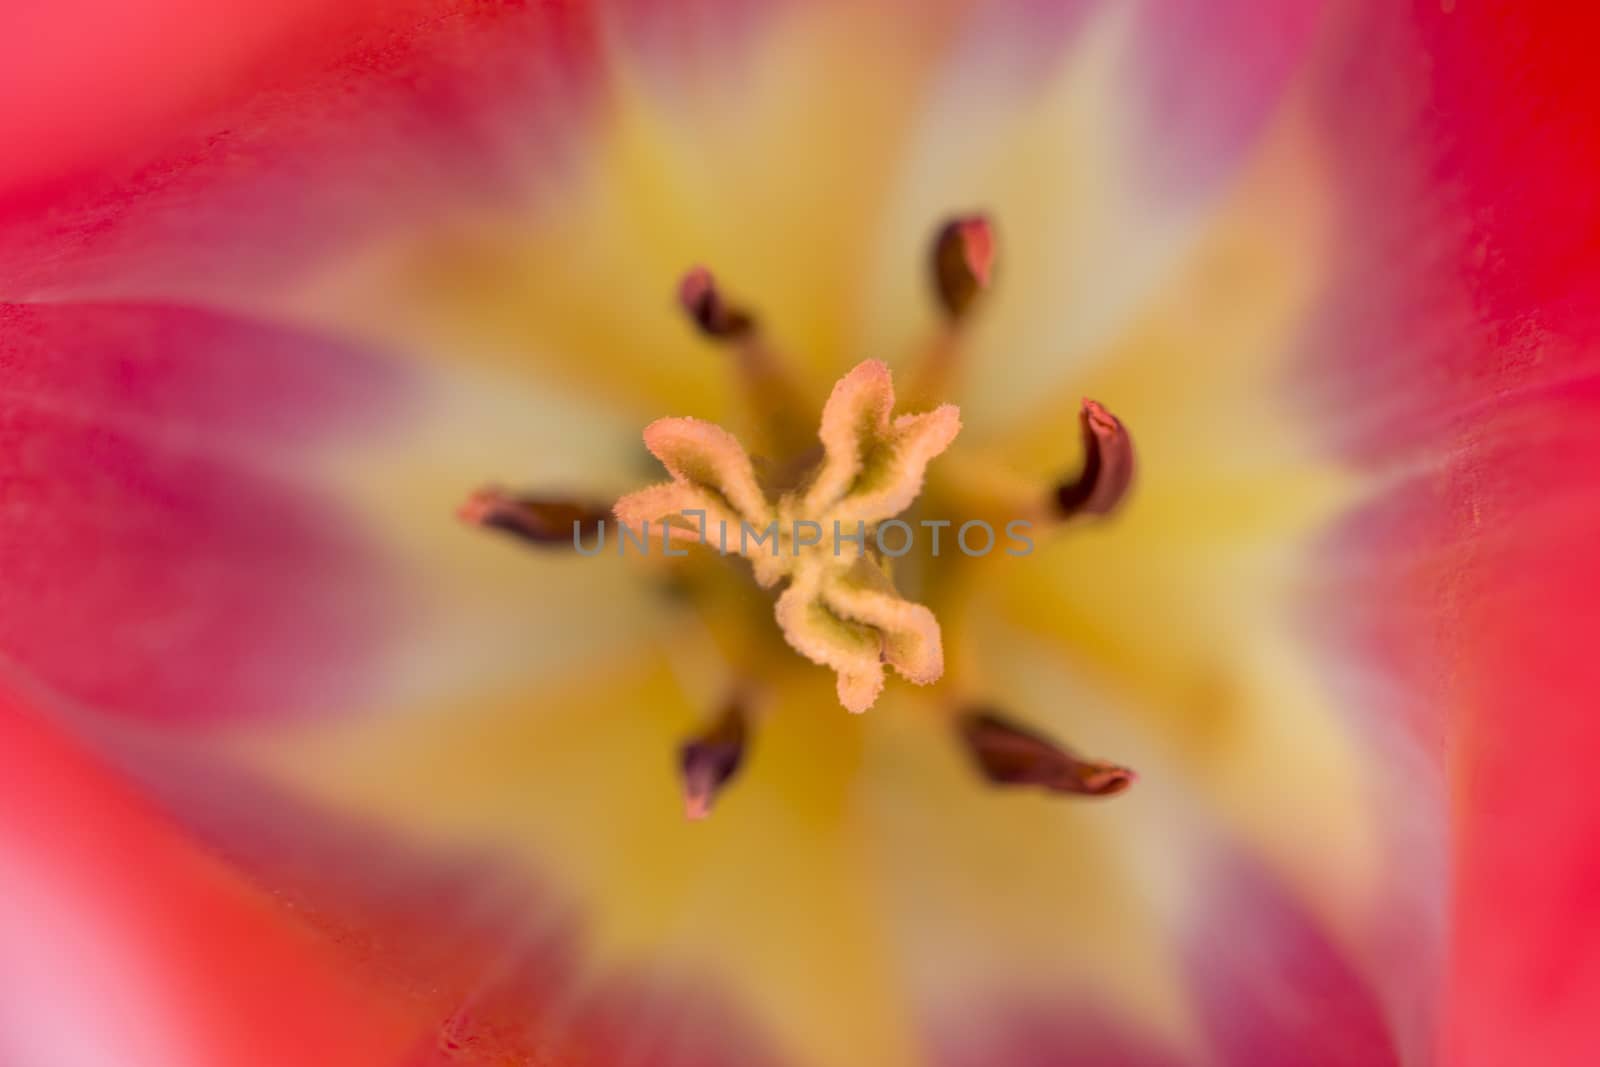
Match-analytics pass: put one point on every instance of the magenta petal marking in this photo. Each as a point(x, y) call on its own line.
point(159, 557)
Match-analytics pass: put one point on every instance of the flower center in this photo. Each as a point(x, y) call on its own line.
point(809, 511)
point(840, 608)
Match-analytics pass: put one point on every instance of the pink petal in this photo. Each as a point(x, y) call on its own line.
point(492, 958)
point(1210, 75)
point(1276, 989)
point(1266, 986)
point(1018, 1032)
point(165, 553)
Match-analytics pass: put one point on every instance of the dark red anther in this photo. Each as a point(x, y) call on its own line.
point(546, 521)
point(1108, 466)
point(963, 262)
point(709, 310)
point(709, 761)
point(1007, 754)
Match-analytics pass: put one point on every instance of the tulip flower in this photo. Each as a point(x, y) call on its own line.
point(389, 397)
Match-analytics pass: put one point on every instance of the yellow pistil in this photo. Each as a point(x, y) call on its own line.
point(840, 609)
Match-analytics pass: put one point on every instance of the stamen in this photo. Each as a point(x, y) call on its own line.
point(709, 761)
point(1108, 466)
point(1009, 755)
point(769, 392)
point(963, 262)
point(700, 297)
point(544, 521)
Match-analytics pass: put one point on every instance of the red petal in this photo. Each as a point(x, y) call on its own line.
point(120, 943)
point(1465, 343)
point(1467, 156)
point(101, 77)
point(1490, 585)
point(441, 107)
point(1524, 981)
